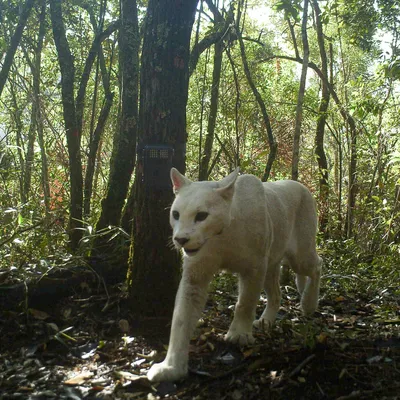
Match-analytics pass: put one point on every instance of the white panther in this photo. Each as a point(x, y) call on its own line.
point(247, 227)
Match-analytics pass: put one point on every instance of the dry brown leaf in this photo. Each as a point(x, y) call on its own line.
point(79, 379)
point(37, 314)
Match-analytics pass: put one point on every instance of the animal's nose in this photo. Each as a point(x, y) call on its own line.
point(182, 241)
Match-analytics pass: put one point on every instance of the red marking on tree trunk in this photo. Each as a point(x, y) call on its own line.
point(179, 62)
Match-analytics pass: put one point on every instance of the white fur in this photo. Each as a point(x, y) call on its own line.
point(252, 228)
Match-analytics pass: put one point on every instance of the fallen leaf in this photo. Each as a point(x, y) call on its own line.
point(322, 337)
point(137, 379)
point(79, 379)
point(124, 326)
point(37, 314)
point(374, 359)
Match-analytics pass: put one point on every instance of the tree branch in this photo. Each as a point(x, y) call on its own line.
point(212, 38)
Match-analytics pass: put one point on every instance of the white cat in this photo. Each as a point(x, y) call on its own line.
point(247, 227)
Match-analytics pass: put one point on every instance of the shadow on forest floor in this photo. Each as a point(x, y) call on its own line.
point(87, 348)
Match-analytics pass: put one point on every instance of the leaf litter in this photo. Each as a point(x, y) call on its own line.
point(74, 350)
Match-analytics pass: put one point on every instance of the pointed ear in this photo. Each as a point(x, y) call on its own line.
point(227, 185)
point(178, 180)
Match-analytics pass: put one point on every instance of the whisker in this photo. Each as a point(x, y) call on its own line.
point(170, 243)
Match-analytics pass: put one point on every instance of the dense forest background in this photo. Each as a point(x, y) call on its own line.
point(98, 99)
point(284, 89)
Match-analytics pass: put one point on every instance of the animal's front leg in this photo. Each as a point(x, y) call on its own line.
point(240, 330)
point(274, 295)
point(189, 304)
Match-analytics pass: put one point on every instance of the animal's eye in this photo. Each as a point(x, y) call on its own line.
point(175, 215)
point(201, 216)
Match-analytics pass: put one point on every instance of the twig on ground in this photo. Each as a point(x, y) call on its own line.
point(294, 371)
point(301, 365)
point(361, 393)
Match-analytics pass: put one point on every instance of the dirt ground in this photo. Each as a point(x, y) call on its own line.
point(89, 347)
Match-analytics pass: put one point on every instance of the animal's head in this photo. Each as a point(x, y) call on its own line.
point(201, 210)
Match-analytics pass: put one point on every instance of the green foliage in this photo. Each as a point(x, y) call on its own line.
point(365, 77)
point(354, 269)
point(392, 70)
point(359, 18)
point(291, 8)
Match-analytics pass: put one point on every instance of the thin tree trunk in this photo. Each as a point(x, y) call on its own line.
point(93, 149)
point(203, 94)
point(351, 199)
point(212, 38)
point(93, 52)
point(91, 159)
point(95, 135)
point(300, 98)
point(29, 157)
point(352, 141)
point(73, 133)
point(9, 58)
point(212, 118)
point(124, 151)
point(35, 113)
point(154, 268)
point(320, 132)
point(273, 147)
point(38, 113)
point(20, 146)
point(352, 187)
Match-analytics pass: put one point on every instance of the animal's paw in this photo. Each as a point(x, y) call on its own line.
point(242, 339)
point(308, 307)
point(163, 372)
point(263, 324)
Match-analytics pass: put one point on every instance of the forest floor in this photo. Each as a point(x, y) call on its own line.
point(88, 347)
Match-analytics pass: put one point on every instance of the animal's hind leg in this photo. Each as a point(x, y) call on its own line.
point(301, 281)
point(310, 293)
point(274, 294)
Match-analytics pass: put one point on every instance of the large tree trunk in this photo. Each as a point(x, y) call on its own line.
point(154, 267)
point(8, 60)
point(300, 98)
point(73, 133)
point(320, 133)
point(124, 152)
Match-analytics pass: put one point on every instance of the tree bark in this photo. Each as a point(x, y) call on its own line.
point(154, 268)
point(73, 133)
point(124, 151)
point(300, 98)
point(9, 58)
